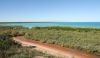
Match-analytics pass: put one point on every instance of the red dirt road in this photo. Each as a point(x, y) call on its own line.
point(54, 49)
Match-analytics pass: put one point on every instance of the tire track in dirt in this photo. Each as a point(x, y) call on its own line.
point(53, 49)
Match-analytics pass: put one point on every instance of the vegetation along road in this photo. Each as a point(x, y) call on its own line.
point(53, 49)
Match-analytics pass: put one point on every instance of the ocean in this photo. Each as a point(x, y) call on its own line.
point(48, 24)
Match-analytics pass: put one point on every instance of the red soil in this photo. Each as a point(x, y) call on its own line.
point(67, 52)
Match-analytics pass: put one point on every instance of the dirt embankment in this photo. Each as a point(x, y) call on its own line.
point(53, 49)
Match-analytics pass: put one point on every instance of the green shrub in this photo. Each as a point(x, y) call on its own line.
point(85, 39)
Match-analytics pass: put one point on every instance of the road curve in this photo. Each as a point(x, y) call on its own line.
point(54, 49)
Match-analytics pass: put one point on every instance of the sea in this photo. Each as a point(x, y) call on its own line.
point(49, 24)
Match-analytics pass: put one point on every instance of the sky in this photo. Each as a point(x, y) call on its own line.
point(49, 10)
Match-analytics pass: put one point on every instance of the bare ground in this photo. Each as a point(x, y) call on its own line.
point(54, 49)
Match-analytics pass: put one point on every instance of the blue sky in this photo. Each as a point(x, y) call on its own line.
point(50, 10)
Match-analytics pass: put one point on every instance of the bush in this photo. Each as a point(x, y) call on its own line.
point(85, 39)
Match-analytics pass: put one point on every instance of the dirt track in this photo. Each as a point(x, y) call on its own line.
point(53, 49)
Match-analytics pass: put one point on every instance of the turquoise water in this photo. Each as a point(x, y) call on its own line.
point(65, 24)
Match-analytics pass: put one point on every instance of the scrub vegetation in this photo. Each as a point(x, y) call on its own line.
point(84, 39)
point(11, 49)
